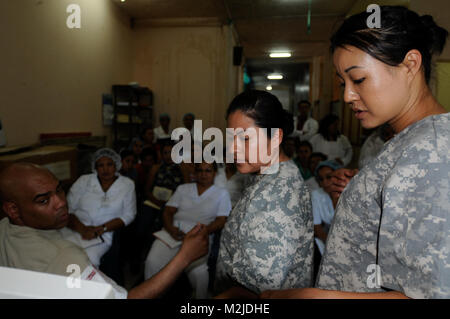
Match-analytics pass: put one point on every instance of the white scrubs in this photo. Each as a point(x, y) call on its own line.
point(333, 149)
point(310, 128)
point(94, 207)
point(191, 209)
point(160, 134)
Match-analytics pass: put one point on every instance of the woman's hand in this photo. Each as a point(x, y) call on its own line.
point(89, 232)
point(176, 233)
point(158, 202)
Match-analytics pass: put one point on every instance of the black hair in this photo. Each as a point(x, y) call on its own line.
point(305, 143)
point(148, 151)
point(304, 102)
point(401, 31)
point(125, 153)
point(166, 142)
point(265, 109)
point(325, 122)
point(318, 154)
point(145, 128)
point(214, 164)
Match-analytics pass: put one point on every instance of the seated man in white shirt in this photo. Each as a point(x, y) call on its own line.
point(36, 207)
point(305, 126)
point(163, 132)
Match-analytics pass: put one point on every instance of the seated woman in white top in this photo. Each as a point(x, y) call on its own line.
point(192, 203)
point(100, 203)
point(331, 142)
point(314, 160)
point(323, 202)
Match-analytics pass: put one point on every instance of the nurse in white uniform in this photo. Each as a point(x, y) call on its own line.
point(100, 203)
point(192, 203)
point(331, 142)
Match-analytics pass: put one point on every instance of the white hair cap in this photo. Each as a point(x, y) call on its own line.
point(107, 152)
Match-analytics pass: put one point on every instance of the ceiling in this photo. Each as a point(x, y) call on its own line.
point(260, 26)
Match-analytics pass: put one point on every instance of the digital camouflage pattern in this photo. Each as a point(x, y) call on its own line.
point(396, 213)
point(267, 242)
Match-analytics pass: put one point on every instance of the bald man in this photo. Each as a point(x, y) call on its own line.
point(36, 208)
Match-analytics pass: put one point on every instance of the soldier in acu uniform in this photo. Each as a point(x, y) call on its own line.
point(391, 234)
point(267, 242)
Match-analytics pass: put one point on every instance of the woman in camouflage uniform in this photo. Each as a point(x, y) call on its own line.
point(267, 242)
point(390, 237)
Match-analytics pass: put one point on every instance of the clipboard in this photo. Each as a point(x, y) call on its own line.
point(165, 237)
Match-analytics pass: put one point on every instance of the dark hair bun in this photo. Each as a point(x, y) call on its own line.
point(438, 35)
point(288, 123)
point(265, 109)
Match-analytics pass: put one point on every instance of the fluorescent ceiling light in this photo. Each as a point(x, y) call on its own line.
point(275, 77)
point(269, 88)
point(280, 54)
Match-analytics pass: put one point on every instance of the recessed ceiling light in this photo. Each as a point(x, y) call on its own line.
point(275, 77)
point(280, 54)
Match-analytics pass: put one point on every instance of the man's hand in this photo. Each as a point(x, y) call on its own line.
point(340, 179)
point(195, 243)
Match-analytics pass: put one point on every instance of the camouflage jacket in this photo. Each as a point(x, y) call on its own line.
point(391, 229)
point(267, 242)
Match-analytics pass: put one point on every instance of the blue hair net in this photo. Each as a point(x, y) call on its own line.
point(107, 152)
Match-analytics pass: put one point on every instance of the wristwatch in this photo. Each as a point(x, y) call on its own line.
point(105, 229)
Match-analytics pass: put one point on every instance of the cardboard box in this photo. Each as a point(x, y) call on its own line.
point(60, 160)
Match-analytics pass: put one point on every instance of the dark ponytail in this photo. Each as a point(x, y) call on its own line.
point(401, 31)
point(288, 123)
point(437, 35)
point(265, 109)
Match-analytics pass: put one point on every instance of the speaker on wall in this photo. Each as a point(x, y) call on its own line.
point(237, 55)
